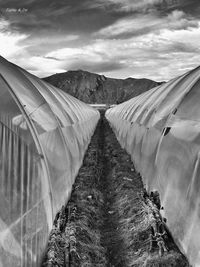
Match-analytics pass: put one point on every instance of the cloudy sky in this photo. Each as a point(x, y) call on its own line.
point(156, 39)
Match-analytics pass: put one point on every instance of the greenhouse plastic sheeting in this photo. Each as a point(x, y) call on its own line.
point(44, 134)
point(160, 129)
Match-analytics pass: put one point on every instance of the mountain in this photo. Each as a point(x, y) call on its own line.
point(95, 88)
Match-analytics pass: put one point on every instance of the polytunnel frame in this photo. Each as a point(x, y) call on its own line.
point(73, 105)
point(65, 97)
point(54, 110)
point(61, 97)
point(53, 97)
point(184, 85)
point(174, 109)
point(52, 89)
point(46, 88)
point(38, 146)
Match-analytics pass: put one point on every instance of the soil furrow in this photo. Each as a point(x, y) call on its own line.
point(110, 220)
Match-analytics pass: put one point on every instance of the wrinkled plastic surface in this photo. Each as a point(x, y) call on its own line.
point(161, 130)
point(44, 134)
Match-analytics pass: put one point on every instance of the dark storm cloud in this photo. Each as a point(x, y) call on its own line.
point(145, 5)
point(137, 25)
point(69, 16)
point(83, 17)
point(188, 6)
point(111, 36)
point(54, 58)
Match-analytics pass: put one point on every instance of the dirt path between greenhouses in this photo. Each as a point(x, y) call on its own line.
point(110, 221)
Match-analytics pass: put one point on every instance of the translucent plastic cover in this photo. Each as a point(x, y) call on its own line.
point(161, 131)
point(43, 137)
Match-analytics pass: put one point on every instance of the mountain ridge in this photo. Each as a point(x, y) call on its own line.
point(94, 88)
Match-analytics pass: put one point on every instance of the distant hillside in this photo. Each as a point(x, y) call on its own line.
point(94, 88)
